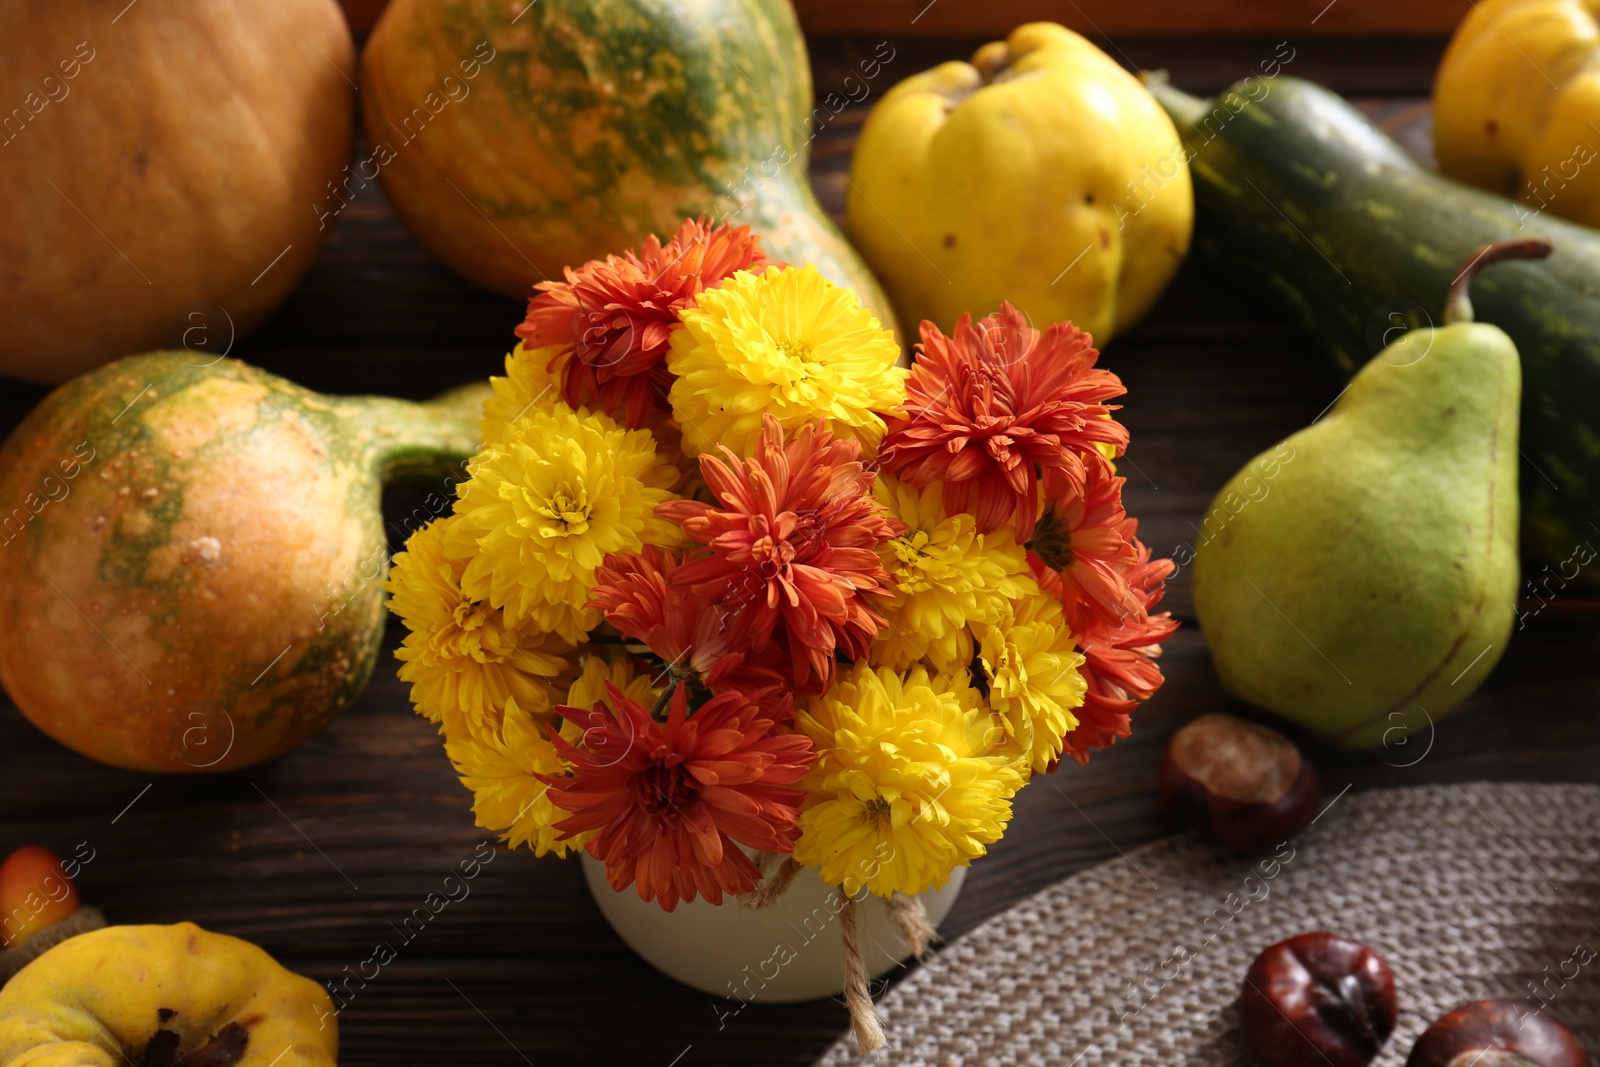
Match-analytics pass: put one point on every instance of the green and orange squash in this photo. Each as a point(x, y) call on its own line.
point(192, 554)
point(516, 139)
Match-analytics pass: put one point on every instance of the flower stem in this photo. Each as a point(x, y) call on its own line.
point(664, 699)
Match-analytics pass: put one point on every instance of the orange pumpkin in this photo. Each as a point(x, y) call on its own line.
point(161, 163)
point(363, 14)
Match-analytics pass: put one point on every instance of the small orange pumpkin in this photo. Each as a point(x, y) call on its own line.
point(160, 167)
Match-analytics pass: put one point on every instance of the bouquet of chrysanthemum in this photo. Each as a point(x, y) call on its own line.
point(724, 574)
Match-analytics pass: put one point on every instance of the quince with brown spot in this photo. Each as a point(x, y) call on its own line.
point(163, 996)
point(1041, 173)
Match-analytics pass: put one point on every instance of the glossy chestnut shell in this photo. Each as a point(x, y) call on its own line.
point(1248, 784)
point(1317, 1000)
point(1497, 1033)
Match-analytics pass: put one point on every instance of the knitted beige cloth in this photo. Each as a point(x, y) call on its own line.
point(1468, 892)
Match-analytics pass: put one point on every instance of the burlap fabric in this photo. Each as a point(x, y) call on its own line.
point(1470, 891)
point(41, 941)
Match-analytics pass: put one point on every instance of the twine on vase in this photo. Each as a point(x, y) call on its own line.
point(912, 918)
point(774, 883)
point(864, 1019)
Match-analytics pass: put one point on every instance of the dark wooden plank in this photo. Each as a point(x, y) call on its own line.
point(1135, 17)
point(1368, 66)
point(320, 855)
point(1224, 19)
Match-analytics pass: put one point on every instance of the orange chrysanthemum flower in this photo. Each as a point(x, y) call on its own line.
point(670, 802)
point(1119, 665)
point(614, 316)
point(793, 538)
point(1080, 538)
point(996, 405)
point(695, 637)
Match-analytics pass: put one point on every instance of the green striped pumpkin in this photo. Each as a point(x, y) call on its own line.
point(516, 139)
point(192, 552)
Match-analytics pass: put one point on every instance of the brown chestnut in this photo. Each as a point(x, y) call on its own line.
point(1317, 1000)
point(1248, 784)
point(1497, 1033)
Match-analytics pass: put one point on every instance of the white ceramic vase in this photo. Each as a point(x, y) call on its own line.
point(788, 952)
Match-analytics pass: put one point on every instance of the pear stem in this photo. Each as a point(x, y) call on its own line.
point(1457, 306)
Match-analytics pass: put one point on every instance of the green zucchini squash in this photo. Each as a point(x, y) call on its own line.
point(1298, 196)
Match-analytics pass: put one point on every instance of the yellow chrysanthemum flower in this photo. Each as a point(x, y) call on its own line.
point(543, 509)
point(589, 687)
point(459, 654)
point(946, 575)
point(905, 788)
point(788, 343)
point(499, 765)
point(530, 384)
point(1032, 664)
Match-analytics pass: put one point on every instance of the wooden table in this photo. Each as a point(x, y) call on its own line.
point(320, 855)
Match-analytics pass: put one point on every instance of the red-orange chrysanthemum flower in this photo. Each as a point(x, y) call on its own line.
point(672, 801)
point(793, 541)
point(1119, 666)
point(695, 637)
point(991, 408)
point(1080, 537)
point(614, 315)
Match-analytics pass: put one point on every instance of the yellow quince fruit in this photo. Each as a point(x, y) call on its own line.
point(163, 995)
point(1041, 173)
point(1516, 105)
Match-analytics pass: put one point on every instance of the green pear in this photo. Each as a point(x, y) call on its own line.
point(1361, 578)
